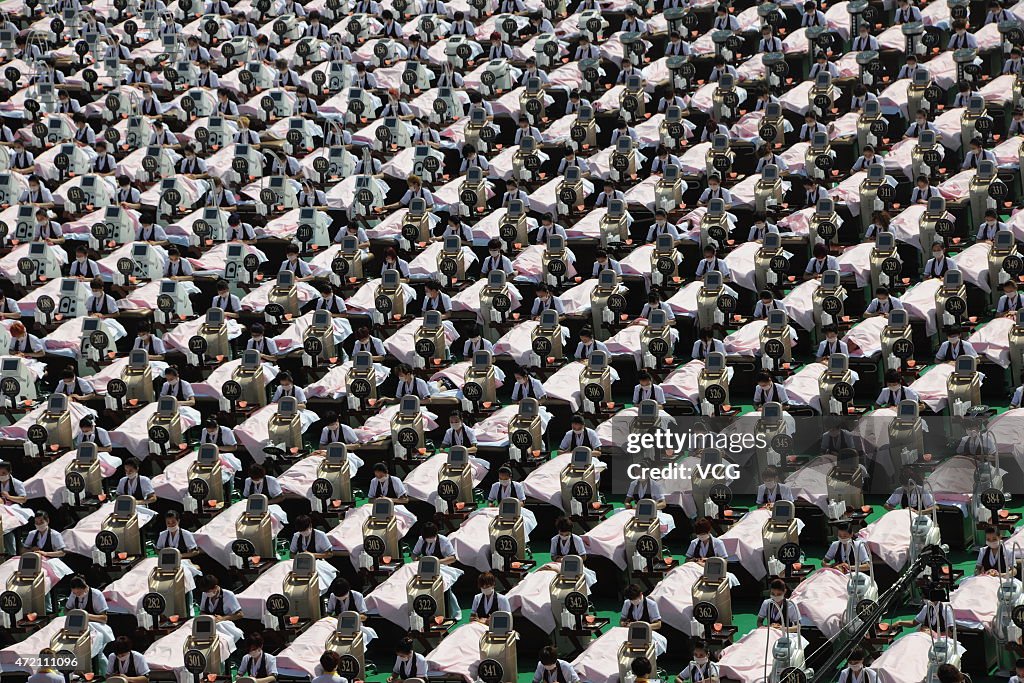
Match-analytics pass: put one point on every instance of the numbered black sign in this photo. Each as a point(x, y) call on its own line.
point(720, 495)
point(773, 348)
point(944, 227)
point(374, 546)
point(541, 346)
point(424, 605)
point(349, 667)
point(37, 434)
point(793, 675)
point(243, 548)
point(705, 613)
point(448, 490)
point(1013, 265)
point(865, 607)
point(74, 482)
point(892, 266)
point(506, 546)
point(195, 661)
point(648, 547)
point(472, 391)
point(1017, 615)
point(594, 392)
point(782, 444)
point(842, 392)
point(10, 602)
point(106, 542)
point(278, 605)
point(490, 671)
point(153, 604)
point(557, 267)
point(788, 554)
point(826, 230)
point(582, 492)
point(322, 489)
point(199, 489)
point(903, 349)
point(425, 347)
point(832, 305)
point(312, 346)
point(576, 603)
point(993, 499)
point(956, 306)
point(10, 387)
point(408, 437)
point(658, 347)
point(159, 434)
point(726, 303)
point(521, 439)
point(715, 394)
point(360, 388)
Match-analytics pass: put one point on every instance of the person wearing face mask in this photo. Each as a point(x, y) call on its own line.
point(336, 432)
point(988, 229)
point(704, 544)
point(149, 231)
point(364, 341)
point(855, 671)
point(12, 493)
point(565, 542)
point(778, 612)
point(286, 387)
point(260, 482)
point(700, 669)
point(458, 434)
point(505, 487)
point(173, 536)
point(83, 267)
point(408, 663)
point(435, 299)
point(475, 342)
point(643, 487)
point(976, 154)
point(258, 341)
point(882, 304)
point(386, 485)
point(215, 433)
point(836, 438)
point(588, 345)
point(177, 268)
point(646, 389)
point(662, 226)
point(910, 496)
point(831, 344)
point(639, 607)
point(488, 600)
point(73, 386)
point(88, 432)
point(712, 262)
point(127, 663)
point(495, 260)
point(297, 266)
point(954, 347)
point(47, 230)
point(42, 539)
point(177, 387)
point(432, 543)
point(306, 539)
point(768, 390)
point(894, 391)
point(218, 602)
point(939, 263)
point(226, 301)
point(770, 490)
point(994, 559)
point(409, 383)
point(135, 485)
point(392, 261)
point(84, 597)
point(705, 344)
point(978, 442)
point(603, 261)
point(191, 165)
point(526, 385)
point(1010, 301)
point(546, 300)
point(21, 160)
point(845, 554)
point(551, 669)
point(343, 599)
point(37, 194)
point(579, 435)
point(100, 304)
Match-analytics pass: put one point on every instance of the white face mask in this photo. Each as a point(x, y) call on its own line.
point(856, 667)
point(703, 537)
point(487, 591)
point(992, 544)
point(846, 541)
point(777, 599)
point(5, 477)
point(700, 661)
point(307, 533)
point(636, 603)
point(133, 475)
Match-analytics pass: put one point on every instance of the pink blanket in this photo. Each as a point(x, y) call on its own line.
point(674, 595)
point(1008, 431)
point(992, 341)
point(133, 434)
point(390, 599)
point(931, 386)
point(347, 537)
point(421, 483)
point(469, 299)
point(402, 344)
point(744, 660)
point(254, 433)
point(809, 483)
point(822, 600)
point(865, 338)
point(177, 338)
point(216, 536)
point(744, 542)
point(919, 301)
point(544, 484)
point(301, 656)
point(9, 263)
point(124, 596)
point(211, 386)
point(906, 659)
point(682, 383)
point(458, 654)
point(973, 263)
point(48, 482)
point(168, 653)
point(599, 663)
point(81, 538)
point(19, 430)
point(379, 426)
point(889, 537)
point(472, 539)
point(608, 540)
point(172, 483)
point(253, 599)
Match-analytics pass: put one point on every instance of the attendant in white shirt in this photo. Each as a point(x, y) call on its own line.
point(505, 487)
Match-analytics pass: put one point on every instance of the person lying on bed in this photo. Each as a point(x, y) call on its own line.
point(844, 554)
point(778, 611)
